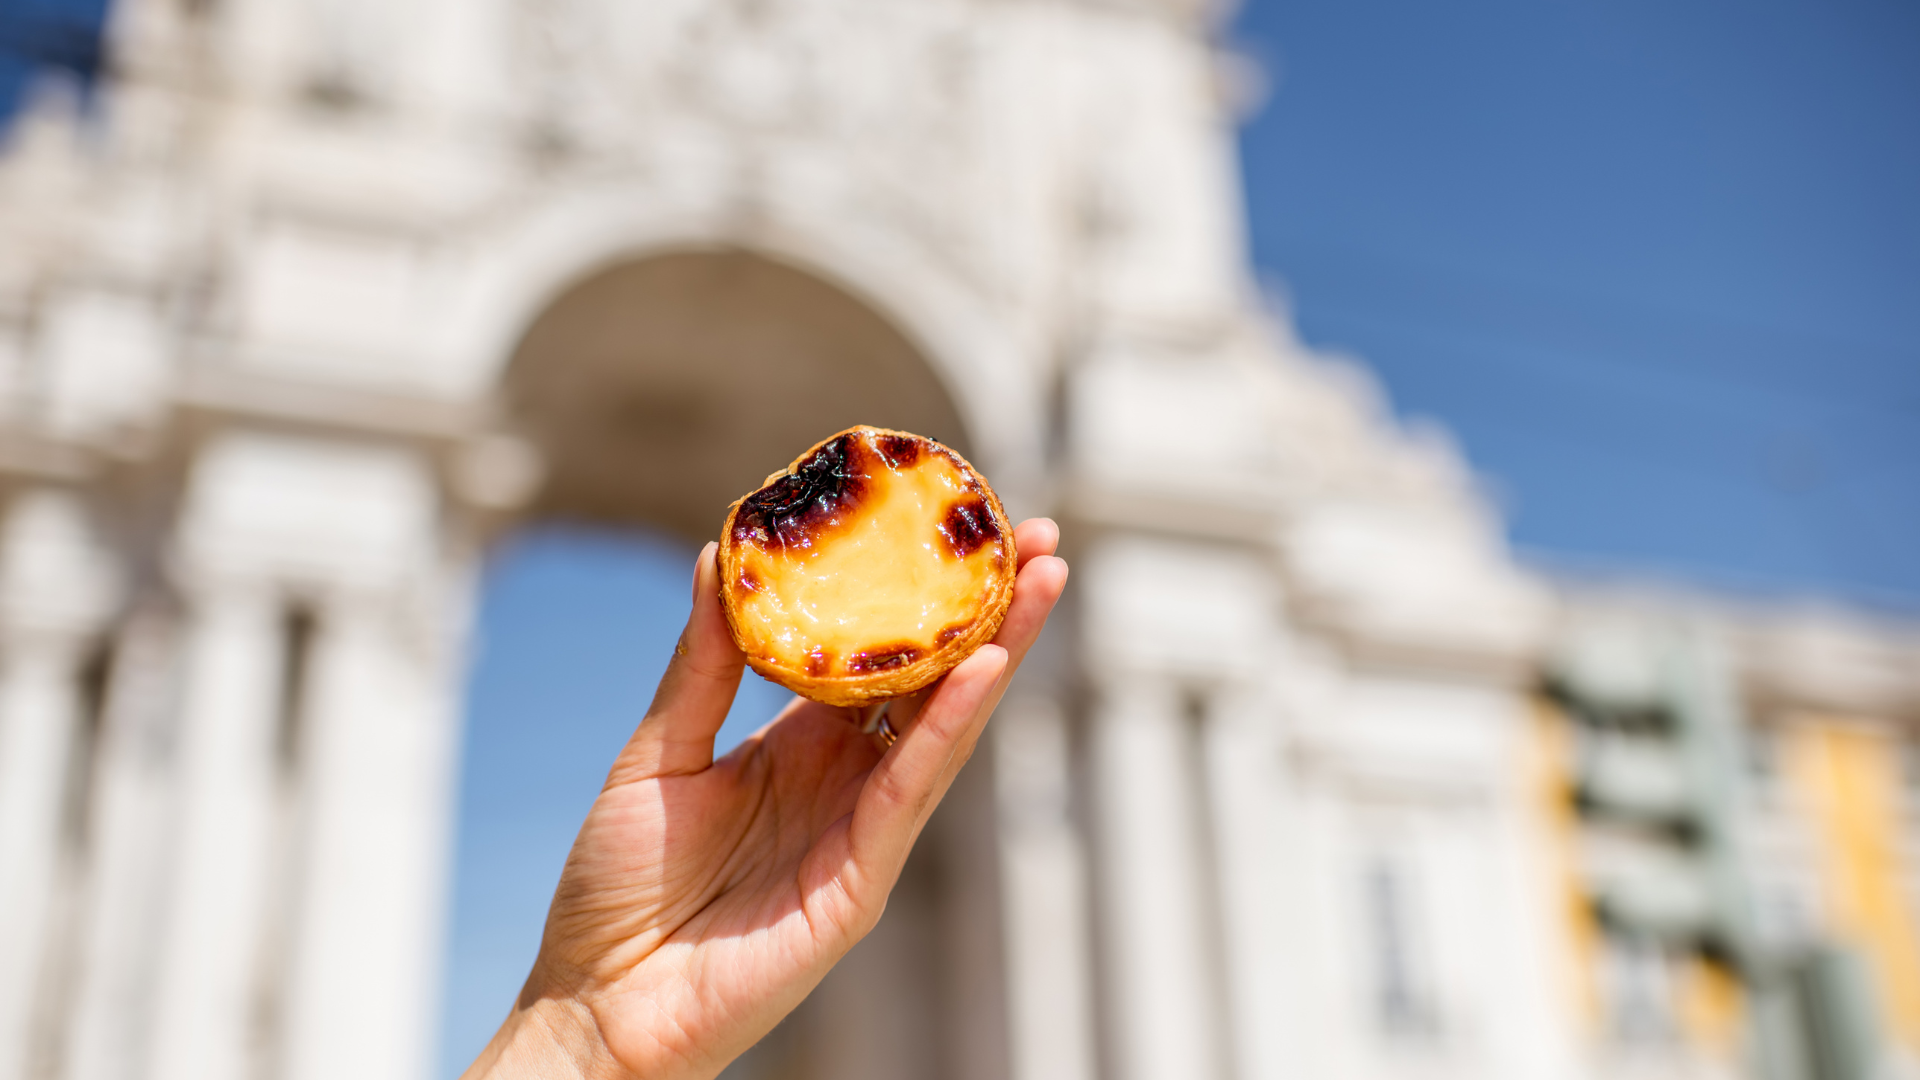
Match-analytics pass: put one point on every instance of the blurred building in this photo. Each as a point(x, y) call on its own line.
point(1312, 781)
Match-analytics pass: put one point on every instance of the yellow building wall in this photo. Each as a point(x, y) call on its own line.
point(1550, 772)
point(1847, 774)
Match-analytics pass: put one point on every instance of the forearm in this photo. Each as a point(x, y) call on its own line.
point(550, 1039)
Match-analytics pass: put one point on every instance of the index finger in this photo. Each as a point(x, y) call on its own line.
point(1033, 537)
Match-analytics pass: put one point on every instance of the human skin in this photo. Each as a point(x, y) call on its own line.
point(704, 899)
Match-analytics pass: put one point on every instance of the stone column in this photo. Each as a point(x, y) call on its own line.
point(206, 997)
point(52, 594)
point(1043, 885)
point(305, 918)
point(38, 714)
point(972, 927)
point(1246, 792)
point(1158, 923)
point(127, 853)
point(379, 726)
point(1167, 624)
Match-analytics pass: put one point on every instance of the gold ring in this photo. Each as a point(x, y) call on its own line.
point(888, 736)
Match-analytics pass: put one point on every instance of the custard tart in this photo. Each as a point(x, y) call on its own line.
point(869, 568)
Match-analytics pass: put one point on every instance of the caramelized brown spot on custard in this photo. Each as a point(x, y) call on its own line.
point(968, 526)
point(818, 661)
point(952, 632)
point(898, 451)
point(883, 657)
point(747, 581)
point(792, 509)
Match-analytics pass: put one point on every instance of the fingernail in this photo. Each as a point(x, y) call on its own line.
point(700, 567)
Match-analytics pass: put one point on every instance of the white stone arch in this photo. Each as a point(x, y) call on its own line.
point(976, 351)
point(525, 265)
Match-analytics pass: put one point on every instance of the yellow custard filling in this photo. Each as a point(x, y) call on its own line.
point(865, 564)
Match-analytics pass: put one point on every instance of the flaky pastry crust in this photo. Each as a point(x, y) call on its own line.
point(872, 565)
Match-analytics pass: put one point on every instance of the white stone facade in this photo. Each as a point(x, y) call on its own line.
point(323, 295)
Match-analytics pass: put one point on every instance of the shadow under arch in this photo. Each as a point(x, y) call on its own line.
point(662, 388)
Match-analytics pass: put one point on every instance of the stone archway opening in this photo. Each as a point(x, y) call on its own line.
point(662, 389)
point(657, 391)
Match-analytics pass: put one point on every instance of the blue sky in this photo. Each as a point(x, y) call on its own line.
point(1656, 265)
point(35, 34)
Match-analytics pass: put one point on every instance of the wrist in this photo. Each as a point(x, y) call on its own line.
point(548, 1037)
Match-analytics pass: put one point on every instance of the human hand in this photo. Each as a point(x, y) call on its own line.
point(704, 899)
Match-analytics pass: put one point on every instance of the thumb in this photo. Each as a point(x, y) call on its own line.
point(676, 737)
